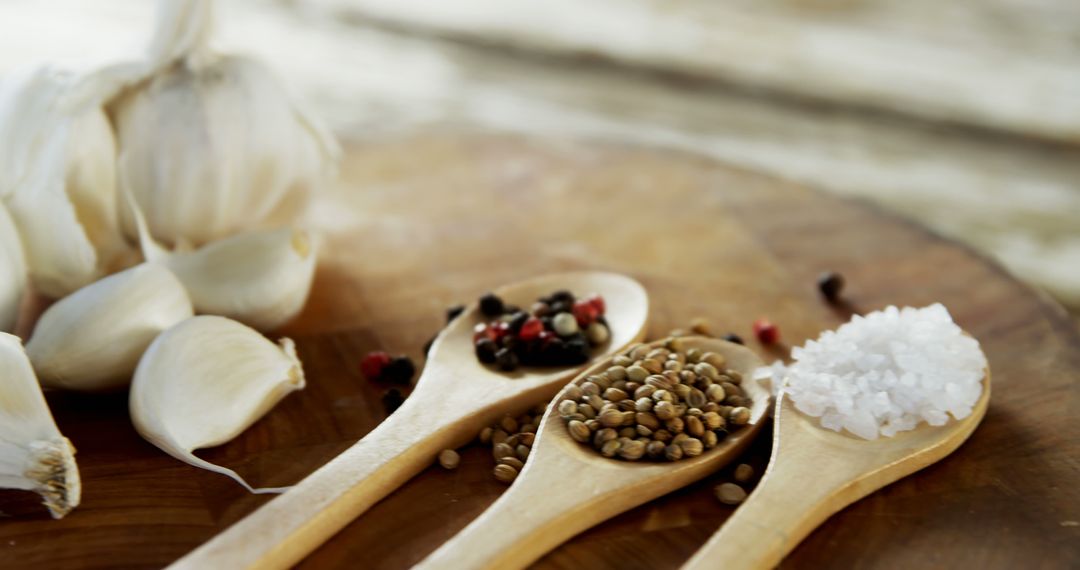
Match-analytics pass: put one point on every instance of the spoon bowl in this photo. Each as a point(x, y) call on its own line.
point(567, 487)
point(815, 472)
point(455, 396)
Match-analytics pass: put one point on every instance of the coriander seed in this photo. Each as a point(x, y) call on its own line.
point(449, 459)
point(512, 462)
point(505, 473)
point(739, 416)
point(730, 494)
point(579, 431)
point(502, 450)
point(743, 473)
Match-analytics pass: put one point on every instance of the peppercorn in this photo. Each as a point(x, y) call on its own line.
point(454, 312)
point(485, 350)
point(530, 328)
point(830, 284)
point(399, 371)
point(491, 305)
point(392, 399)
point(517, 321)
point(506, 359)
point(732, 337)
point(766, 332)
point(373, 364)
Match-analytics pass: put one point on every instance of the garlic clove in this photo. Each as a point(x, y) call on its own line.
point(58, 180)
point(260, 278)
point(206, 380)
point(34, 455)
point(215, 144)
point(92, 339)
point(13, 268)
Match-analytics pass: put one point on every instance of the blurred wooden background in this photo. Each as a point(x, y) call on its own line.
point(963, 115)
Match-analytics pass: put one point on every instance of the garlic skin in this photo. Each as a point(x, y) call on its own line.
point(34, 455)
point(206, 380)
point(215, 144)
point(58, 179)
point(92, 339)
point(13, 268)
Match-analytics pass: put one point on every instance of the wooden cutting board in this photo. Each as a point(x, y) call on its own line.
point(425, 222)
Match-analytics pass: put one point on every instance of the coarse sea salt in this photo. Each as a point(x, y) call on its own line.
point(885, 373)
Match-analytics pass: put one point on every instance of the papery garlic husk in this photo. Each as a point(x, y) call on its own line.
point(92, 339)
point(12, 272)
point(58, 180)
point(34, 455)
point(206, 380)
point(216, 145)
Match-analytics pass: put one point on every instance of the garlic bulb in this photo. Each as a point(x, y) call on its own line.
point(261, 278)
point(58, 180)
point(34, 456)
point(13, 268)
point(93, 338)
point(204, 381)
point(215, 145)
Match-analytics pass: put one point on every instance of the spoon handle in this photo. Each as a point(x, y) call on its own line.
point(786, 506)
point(280, 533)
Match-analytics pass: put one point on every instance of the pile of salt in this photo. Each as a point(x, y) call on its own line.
point(886, 372)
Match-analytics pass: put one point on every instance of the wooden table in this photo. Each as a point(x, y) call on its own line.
point(421, 223)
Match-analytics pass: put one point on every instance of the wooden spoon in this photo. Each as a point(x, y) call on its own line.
point(567, 487)
point(814, 472)
point(454, 398)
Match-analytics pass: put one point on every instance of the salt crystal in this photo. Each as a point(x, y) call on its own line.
point(885, 372)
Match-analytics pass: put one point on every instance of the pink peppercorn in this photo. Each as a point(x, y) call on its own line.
point(766, 332)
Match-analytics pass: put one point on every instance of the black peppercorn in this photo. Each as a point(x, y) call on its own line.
point(453, 312)
point(485, 350)
point(399, 371)
point(830, 284)
point(517, 320)
point(506, 359)
point(732, 337)
point(491, 305)
point(392, 400)
point(563, 296)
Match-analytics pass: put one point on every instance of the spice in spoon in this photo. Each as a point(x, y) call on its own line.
point(656, 403)
point(558, 330)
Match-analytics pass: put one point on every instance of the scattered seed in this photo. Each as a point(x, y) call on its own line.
point(502, 450)
point(449, 459)
point(732, 337)
point(830, 284)
point(730, 493)
point(512, 462)
point(743, 473)
point(766, 332)
point(505, 473)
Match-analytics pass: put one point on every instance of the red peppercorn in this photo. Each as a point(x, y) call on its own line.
point(531, 329)
point(482, 331)
point(598, 303)
point(372, 365)
point(766, 332)
point(585, 313)
point(501, 329)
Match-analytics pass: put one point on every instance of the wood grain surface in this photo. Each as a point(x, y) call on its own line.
point(421, 223)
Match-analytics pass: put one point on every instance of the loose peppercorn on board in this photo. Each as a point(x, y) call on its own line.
point(418, 224)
